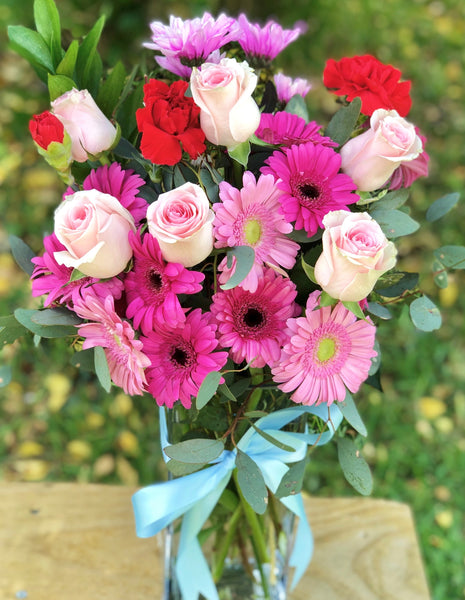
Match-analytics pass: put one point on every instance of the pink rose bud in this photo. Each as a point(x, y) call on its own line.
point(90, 130)
point(355, 254)
point(228, 113)
point(182, 222)
point(372, 157)
point(94, 228)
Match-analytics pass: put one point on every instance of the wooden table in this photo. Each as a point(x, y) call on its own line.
point(65, 541)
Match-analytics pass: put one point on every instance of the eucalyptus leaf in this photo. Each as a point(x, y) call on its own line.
point(297, 106)
point(452, 257)
point(394, 223)
point(441, 207)
point(251, 482)
point(354, 466)
point(195, 451)
point(272, 440)
point(425, 314)
point(379, 311)
point(10, 330)
point(245, 257)
point(55, 316)
point(292, 481)
point(401, 282)
point(343, 122)
point(224, 389)
point(101, 368)
point(25, 317)
point(22, 254)
point(5, 375)
point(124, 149)
point(180, 469)
point(393, 200)
point(208, 389)
point(84, 360)
point(351, 414)
point(440, 275)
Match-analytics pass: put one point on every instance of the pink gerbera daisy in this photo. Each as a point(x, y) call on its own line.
point(153, 284)
point(286, 129)
point(252, 324)
point(327, 350)
point(250, 217)
point(53, 279)
point(181, 358)
point(266, 42)
point(126, 361)
point(310, 183)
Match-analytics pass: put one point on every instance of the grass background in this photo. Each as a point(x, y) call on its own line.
point(56, 424)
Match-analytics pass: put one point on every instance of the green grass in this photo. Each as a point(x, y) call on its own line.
point(57, 424)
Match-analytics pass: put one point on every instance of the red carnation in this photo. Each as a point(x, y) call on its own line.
point(375, 83)
point(169, 123)
point(45, 129)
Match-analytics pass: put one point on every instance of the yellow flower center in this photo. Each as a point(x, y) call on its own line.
point(326, 349)
point(253, 231)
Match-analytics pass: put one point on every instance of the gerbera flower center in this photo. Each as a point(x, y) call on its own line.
point(182, 356)
point(155, 280)
point(253, 231)
point(308, 190)
point(326, 349)
point(253, 318)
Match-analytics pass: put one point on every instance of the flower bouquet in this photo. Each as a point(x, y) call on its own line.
point(221, 251)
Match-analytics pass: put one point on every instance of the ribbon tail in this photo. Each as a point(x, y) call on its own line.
point(303, 545)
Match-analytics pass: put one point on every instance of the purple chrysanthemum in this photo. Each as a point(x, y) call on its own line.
point(181, 358)
point(286, 87)
point(126, 361)
point(153, 284)
point(190, 42)
point(250, 217)
point(327, 350)
point(252, 324)
point(53, 279)
point(286, 129)
point(268, 41)
point(311, 185)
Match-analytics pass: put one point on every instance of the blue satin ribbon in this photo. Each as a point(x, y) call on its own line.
point(196, 495)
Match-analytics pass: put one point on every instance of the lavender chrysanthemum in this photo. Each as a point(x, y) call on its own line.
point(266, 42)
point(310, 183)
point(327, 351)
point(250, 217)
point(252, 324)
point(286, 129)
point(53, 279)
point(181, 358)
point(153, 285)
point(286, 87)
point(126, 360)
point(188, 43)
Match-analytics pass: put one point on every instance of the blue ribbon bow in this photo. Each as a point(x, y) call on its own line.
point(196, 495)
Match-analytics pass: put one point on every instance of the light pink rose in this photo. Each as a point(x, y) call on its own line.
point(90, 130)
point(228, 113)
point(355, 254)
point(372, 157)
point(182, 222)
point(94, 228)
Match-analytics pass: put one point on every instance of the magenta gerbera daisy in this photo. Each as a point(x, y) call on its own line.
point(268, 41)
point(327, 351)
point(310, 183)
point(53, 280)
point(126, 361)
point(285, 129)
point(181, 358)
point(250, 217)
point(252, 324)
point(152, 286)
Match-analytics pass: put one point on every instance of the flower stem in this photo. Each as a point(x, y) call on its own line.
point(226, 543)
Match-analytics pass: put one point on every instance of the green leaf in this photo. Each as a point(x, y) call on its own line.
point(180, 469)
point(68, 62)
point(354, 307)
point(251, 482)
point(440, 278)
point(55, 316)
point(351, 414)
point(327, 300)
point(376, 360)
point(394, 223)
point(354, 466)
point(292, 481)
point(196, 451)
point(379, 311)
point(255, 414)
point(452, 257)
point(245, 257)
point(101, 368)
point(211, 184)
point(308, 270)
point(393, 200)
point(208, 389)
point(22, 254)
point(425, 314)
point(5, 375)
point(240, 153)
point(442, 206)
point(125, 149)
point(25, 317)
point(110, 91)
point(47, 21)
point(297, 106)
point(272, 440)
point(59, 85)
point(86, 59)
point(401, 282)
point(343, 123)
point(30, 45)
point(84, 360)
point(10, 330)
point(223, 389)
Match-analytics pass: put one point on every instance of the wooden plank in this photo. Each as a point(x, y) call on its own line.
point(77, 542)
